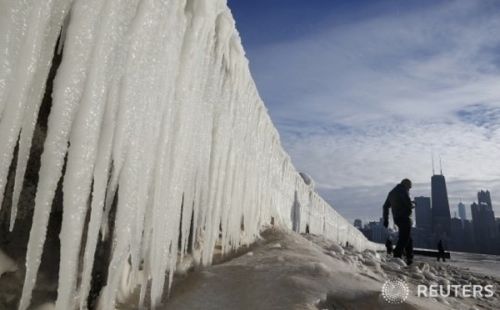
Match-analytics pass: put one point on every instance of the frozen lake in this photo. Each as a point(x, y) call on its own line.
point(481, 263)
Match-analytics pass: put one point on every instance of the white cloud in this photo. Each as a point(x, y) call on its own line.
point(361, 105)
point(391, 152)
point(425, 63)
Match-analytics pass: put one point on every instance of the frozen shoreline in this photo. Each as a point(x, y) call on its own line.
point(289, 271)
point(480, 263)
point(285, 270)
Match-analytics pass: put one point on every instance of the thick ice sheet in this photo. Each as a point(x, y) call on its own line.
point(153, 107)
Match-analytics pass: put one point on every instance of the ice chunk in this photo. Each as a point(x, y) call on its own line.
point(398, 261)
point(7, 264)
point(337, 249)
point(275, 246)
point(429, 275)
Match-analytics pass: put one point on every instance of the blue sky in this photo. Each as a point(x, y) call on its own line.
point(362, 92)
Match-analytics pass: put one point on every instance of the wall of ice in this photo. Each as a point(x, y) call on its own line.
point(154, 118)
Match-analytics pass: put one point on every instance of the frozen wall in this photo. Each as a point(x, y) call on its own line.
point(155, 115)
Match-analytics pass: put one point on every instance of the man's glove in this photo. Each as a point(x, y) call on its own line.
point(386, 223)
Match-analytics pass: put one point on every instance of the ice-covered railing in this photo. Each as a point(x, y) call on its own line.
point(154, 110)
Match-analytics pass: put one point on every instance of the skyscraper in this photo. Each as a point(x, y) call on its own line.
point(468, 236)
point(485, 230)
point(441, 218)
point(484, 224)
point(423, 213)
point(358, 223)
point(457, 234)
point(484, 197)
point(461, 211)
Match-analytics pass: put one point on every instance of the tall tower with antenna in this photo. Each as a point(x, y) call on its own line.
point(433, 170)
point(441, 218)
point(440, 165)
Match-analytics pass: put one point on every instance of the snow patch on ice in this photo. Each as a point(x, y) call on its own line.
point(275, 246)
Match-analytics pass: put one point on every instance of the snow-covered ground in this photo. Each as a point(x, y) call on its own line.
point(285, 270)
point(291, 271)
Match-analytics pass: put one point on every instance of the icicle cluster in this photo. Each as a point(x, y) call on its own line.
point(153, 109)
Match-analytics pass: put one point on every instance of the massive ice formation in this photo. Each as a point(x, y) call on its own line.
point(154, 115)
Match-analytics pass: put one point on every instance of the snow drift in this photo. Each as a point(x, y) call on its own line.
point(154, 115)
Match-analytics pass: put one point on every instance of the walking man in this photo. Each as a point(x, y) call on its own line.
point(399, 201)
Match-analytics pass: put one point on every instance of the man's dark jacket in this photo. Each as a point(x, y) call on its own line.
point(400, 203)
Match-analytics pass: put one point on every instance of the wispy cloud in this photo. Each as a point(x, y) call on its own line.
point(363, 104)
point(416, 64)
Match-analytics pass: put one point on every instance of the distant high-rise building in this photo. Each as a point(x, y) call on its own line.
point(461, 211)
point(375, 231)
point(422, 232)
point(484, 226)
point(358, 223)
point(457, 234)
point(441, 219)
point(423, 213)
point(468, 236)
point(484, 197)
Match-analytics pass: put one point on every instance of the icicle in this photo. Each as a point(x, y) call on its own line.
point(13, 22)
point(44, 24)
point(53, 156)
point(27, 80)
point(101, 172)
point(84, 140)
point(156, 112)
point(28, 127)
point(62, 36)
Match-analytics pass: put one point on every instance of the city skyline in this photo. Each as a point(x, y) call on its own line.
point(454, 209)
point(433, 223)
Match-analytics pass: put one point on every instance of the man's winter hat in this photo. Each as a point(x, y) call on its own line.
point(406, 183)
